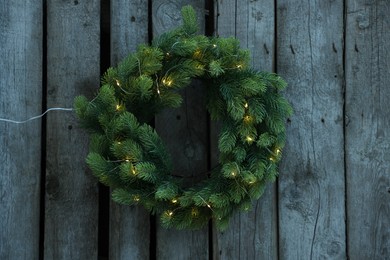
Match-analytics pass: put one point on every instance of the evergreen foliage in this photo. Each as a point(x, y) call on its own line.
point(128, 155)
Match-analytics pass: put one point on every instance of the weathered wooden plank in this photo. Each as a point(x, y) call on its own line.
point(20, 98)
point(311, 188)
point(184, 131)
point(71, 214)
point(251, 235)
point(367, 128)
point(129, 226)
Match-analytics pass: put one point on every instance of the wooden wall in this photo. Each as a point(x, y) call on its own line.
point(332, 198)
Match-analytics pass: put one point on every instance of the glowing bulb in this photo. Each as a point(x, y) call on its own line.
point(271, 159)
point(194, 212)
point(136, 198)
point(118, 83)
point(239, 66)
point(200, 66)
point(249, 139)
point(214, 45)
point(197, 53)
point(278, 151)
point(133, 171)
point(246, 105)
point(251, 182)
point(158, 91)
point(174, 201)
point(118, 142)
point(209, 206)
point(247, 118)
point(233, 174)
point(118, 107)
point(167, 82)
point(169, 213)
point(168, 53)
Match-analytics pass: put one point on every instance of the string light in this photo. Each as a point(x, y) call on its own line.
point(133, 171)
point(197, 53)
point(239, 66)
point(249, 139)
point(118, 107)
point(233, 173)
point(167, 82)
point(200, 66)
point(247, 118)
point(169, 213)
point(174, 201)
point(136, 198)
point(214, 45)
point(276, 154)
point(194, 212)
point(208, 205)
point(158, 91)
point(246, 105)
point(118, 83)
point(251, 179)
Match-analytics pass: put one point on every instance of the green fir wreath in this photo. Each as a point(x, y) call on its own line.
point(127, 154)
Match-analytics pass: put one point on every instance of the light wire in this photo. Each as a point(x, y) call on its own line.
point(35, 117)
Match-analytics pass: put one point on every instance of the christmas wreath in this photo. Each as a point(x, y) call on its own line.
point(127, 154)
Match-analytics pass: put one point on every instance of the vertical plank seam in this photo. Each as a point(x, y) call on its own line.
point(213, 233)
point(43, 134)
point(344, 86)
point(209, 31)
point(275, 68)
point(104, 192)
point(235, 19)
point(216, 19)
point(150, 21)
point(153, 238)
point(153, 218)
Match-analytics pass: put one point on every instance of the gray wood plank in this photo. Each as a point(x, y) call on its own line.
point(251, 235)
point(129, 226)
point(71, 213)
point(311, 186)
point(184, 131)
point(367, 128)
point(20, 98)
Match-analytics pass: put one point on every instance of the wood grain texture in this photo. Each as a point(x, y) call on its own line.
point(20, 98)
point(311, 188)
point(367, 128)
point(185, 134)
point(251, 235)
point(71, 213)
point(129, 226)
